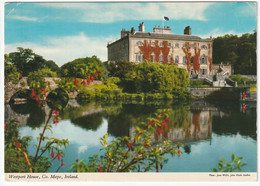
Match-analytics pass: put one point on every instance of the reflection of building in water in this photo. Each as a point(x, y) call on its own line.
point(199, 127)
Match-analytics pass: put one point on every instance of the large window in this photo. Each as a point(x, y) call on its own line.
point(176, 59)
point(204, 71)
point(139, 57)
point(169, 44)
point(176, 45)
point(152, 58)
point(153, 44)
point(203, 59)
point(184, 60)
point(169, 59)
point(161, 44)
point(191, 60)
point(161, 59)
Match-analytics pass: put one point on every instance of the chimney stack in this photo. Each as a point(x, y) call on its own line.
point(187, 30)
point(141, 27)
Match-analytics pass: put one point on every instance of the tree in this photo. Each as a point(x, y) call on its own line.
point(10, 72)
point(240, 52)
point(52, 66)
point(120, 68)
point(26, 60)
point(84, 67)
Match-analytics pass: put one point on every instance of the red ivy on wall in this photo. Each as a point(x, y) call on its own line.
point(209, 57)
point(146, 50)
point(187, 52)
point(165, 51)
point(196, 62)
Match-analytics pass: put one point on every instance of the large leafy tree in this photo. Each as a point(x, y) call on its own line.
point(26, 60)
point(52, 66)
point(83, 67)
point(240, 52)
point(120, 68)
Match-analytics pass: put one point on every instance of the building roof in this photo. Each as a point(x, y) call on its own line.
point(167, 36)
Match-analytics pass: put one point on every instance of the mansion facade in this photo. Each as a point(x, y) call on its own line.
point(187, 51)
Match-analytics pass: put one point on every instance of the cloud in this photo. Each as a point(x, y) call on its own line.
point(112, 12)
point(23, 18)
point(66, 48)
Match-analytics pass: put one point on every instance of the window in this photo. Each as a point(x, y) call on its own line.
point(184, 45)
point(152, 58)
point(191, 71)
point(139, 57)
point(176, 45)
point(139, 43)
point(169, 44)
point(184, 60)
point(204, 71)
point(203, 59)
point(169, 59)
point(192, 46)
point(176, 59)
point(153, 44)
point(203, 47)
point(161, 44)
point(161, 59)
point(191, 60)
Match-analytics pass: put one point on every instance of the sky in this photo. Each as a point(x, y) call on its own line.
point(63, 32)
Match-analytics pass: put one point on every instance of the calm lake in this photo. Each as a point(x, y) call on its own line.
point(208, 130)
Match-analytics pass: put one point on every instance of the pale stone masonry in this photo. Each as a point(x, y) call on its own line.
point(187, 51)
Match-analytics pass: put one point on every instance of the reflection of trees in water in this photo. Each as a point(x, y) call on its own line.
point(89, 122)
point(236, 122)
point(129, 115)
point(35, 111)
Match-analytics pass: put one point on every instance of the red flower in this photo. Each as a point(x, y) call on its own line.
point(159, 130)
point(77, 160)
point(59, 156)
point(33, 93)
point(100, 169)
point(56, 112)
point(129, 145)
point(88, 80)
point(52, 153)
point(83, 81)
point(56, 120)
point(150, 122)
point(92, 77)
point(46, 99)
point(44, 91)
point(96, 72)
point(146, 145)
point(76, 82)
point(179, 152)
point(5, 80)
point(20, 76)
point(17, 144)
point(5, 124)
point(164, 124)
point(166, 119)
point(61, 163)
point(37, 98)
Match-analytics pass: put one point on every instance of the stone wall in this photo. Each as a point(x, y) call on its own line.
point(218, 93)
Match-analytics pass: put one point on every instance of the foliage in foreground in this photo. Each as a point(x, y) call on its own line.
point(17, 158)
point(137, 153)
point(235, 164)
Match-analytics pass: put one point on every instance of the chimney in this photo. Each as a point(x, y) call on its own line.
point(124, 33)
point(187, 30)
point(141, 27)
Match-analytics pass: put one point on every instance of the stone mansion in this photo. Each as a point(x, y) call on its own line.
point(187, 51)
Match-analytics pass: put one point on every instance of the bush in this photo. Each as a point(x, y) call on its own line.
point(157, 78)
point(239, 79)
